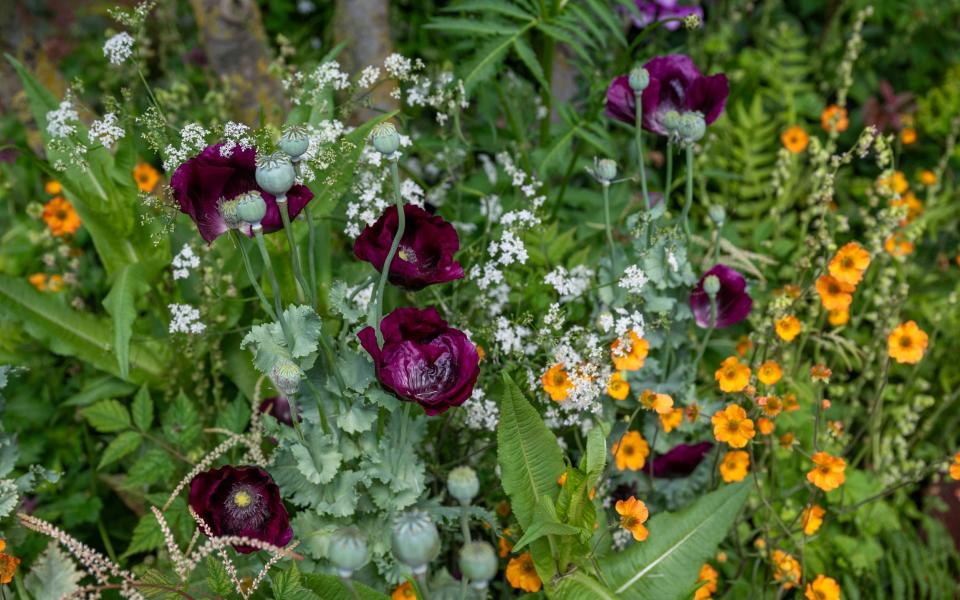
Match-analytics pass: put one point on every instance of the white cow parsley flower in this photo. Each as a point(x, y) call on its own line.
point(633, 279)
point(118, 48)
point(105, 131)
point(185, 319)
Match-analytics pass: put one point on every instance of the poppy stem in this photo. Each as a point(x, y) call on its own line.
point(253, 279)
point(689, 192)
point(311, 253)
point(638, 136)
point(385, 270)
point(609, 228)
point(705, 340)
point(668, 182)
point(277, 303)
point(294, 252)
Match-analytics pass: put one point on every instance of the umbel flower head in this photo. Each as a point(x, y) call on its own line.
point(732, 300)
point(676, 84)
point(241, 501)
point(423, 360)
point(206, 181)
point(425, 254)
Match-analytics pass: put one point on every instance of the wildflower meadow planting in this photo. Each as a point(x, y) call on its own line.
point(567, 299)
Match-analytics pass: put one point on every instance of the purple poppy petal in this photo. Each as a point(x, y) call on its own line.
point(621, 101)
point(733, 301)
point(681, 460)
point(708, 95)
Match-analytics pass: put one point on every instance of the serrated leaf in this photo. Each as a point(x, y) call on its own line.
point(142, 409)
point(529, 59)
point(471, 26)
point(181, 423)
point(235, 416)
point(217, 578)
point(270, 344)
point(122, 445)
point(319, 458)
point(120, 304)
point(107, 416)
point(540, 528)
point(147, 536)
point(482, 65)
point(329, 587)
point(153, 466)
point(9, 496)
point(53, 576)
point(489, 6)
point(286, 585)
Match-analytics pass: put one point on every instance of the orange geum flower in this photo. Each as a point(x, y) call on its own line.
point(556, 382)
point(828, 473)
point(893, 184)
point(907, 343)
point(660, 403)
point(770, 405)
point(908, 135)
point(913, 205)
point(60, 216)
point(404, 591)
point(928, 177)
point(8, 564)
point(896, 245)
point(834, 118)
point(838, 317)
point(709, 576)
point(732, 375)
point(955, 467)
point(634, 358)
point(812, 519)
point(633, 514)
point(732, 426)
point(820, 373)
point(734, 466)
point(53, 187)
point(849, 263)
point(618, 387)
point(562, 480)
point(787, 440)
point(39, 281)
point(795, 139)
point(765, 425)
point(504, 544)
point(786, 569)
point(823, 588)
point(835, 428)
point(787, 328)
point(790, 402)
point(744, 345)
point(769, 372)
point(693, 413)
point(146, 177)
point(672, 419)
point(522, 574)
point(631, 452)
point(834, 294)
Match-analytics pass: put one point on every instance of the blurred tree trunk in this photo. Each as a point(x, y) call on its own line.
point(365, 27)
point(236, 47)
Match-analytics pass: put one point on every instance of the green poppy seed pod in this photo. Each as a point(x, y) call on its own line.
point(275, 174)
point(286, 376)
point(463, 484)
point(478, 562)
point(251, 207)
point(639, 79)
point(606, 170)
point(691, 127)
point(717, 214)
point(348, 550)
point(294, 140)
point(671, 121)
point(711, 285)
point(228, 210)
point(416, 540)
point(385, 138)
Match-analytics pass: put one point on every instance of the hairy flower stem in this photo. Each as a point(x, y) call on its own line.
point(311, 253)
point(377, 314)
point(668, 182)
point(295, 253)
point(705, 340)
point(638, 136)
point(253, 280)
point(424, 591)
point(688, 202)
point(465, 523)
point(609, 228)
point(277, 303)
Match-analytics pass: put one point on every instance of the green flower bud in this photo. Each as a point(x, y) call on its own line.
point(717, 214)
point(692, 21)
point(478, 562)
point(691, 127)
point(416, 540)
point(711, 285)
point(605, 170)
point(294, 141)
point(286, 376)
point(463, 484)
point(348, 550)
point(275, 174)
point(639, 79)
point(228, 210)
point(35, 210)
point(671, 121)
point(251, 207)
point(385, 138)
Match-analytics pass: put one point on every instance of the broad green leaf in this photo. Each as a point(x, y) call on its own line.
point(503, 7)
point(596, 458)
point(153, 466)
point(142, 409)
point(53, 576)
point(270, 345)
point(286, 585)
point(98, 388)
point(527, 56)
point(107, 416)
point(318, 459)
point(329, 587)
point(667, 563)
point(541, 528)
point(581, 586)
point(122, 445)
point(482, 65)
point(530, 459)
point(181, 423)
point(217, 578)
point(120, 303)
point(147, 536)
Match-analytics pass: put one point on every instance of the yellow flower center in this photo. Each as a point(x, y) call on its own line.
point(407, 255)
point(242, 499)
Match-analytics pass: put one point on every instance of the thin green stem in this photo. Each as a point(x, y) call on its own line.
point(312, 254)
point(638, 136)
point(465, 523)
point(688, 201)
point(609, 227)
point(294, 251)
point(705, 340)
point(668, 183)
point(253, 280)
point(277, 302)
point(385, 271)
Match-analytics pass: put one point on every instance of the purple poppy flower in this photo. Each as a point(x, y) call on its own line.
point(278, 407)
point(662, 10)
point(204, 181)
point(675, 84)
point(241, 501)
point(425, 255)
point(733, 301)
point(422, 359)
point(681, 460)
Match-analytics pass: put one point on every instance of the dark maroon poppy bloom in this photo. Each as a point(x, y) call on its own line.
point(661, 10)
point(206, 180)
point(279, 408)
point(425, 255)
point(886, 112)
point(681, 460)
point(733, 301)
point(675, 84)
point(422, 359)
point(241, 501)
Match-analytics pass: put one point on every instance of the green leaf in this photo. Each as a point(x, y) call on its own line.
point(667, 563)
point(329, 587)
point(235, 416)
point(143, 409)
point(181, 423)
point(286, 586)
point(270, 345)
point(483, 64)
point(217, 578)
point(153, 466)
point(53, 576)
point(581, 586)
point(319, 459)
point(120, 303)
point(489, 6)
point(529, 59)
point(122, 445)
point(484, 27)
point(529, 456)
point(541, 528)
point(596, 458)
point(107, 416)
point(147, 536)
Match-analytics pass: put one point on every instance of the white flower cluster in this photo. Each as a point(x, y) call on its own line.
point(490, 207)
point(633, 279)
point(621, 322)
point(570, 284)
point(373, 196)
point(184, 261)
point(512, 338)
point(185, 319)
point(401, 67)
point(105, 131)
point(60, 122)
point(588, 371)
point(193, 139)
point(320, 154)
point(445, 94)
point(330, 75)
point(482, 413)
point(235, 135)
point(118, 48)
point(368, 76)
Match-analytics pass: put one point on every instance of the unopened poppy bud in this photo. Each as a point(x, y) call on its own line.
point(416, 540)
point(348, 550)
point(294, 140)
point(462, 483)
point(717, 214)
point(385, 138)
point(671, 121)
point(711, 285)
point(691, 126)
point(639, 79)
point(228, 210)
point(286, 376)
point(605, 170)
point(250, 208)
point(275, 174)
point(478, 562)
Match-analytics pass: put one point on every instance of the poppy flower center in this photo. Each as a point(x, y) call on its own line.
point(407, 254)
point(245, 508)
point(432, 379)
